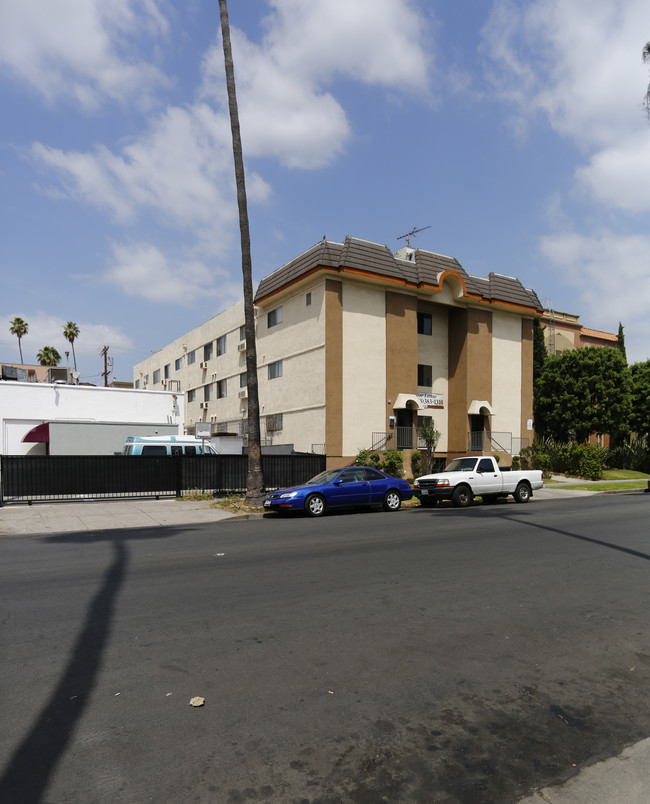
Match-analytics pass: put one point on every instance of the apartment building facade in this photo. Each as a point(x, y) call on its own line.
point(356, 346)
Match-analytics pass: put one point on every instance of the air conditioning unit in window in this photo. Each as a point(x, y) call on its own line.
point(241, 347)
point(243, 393)
point(203, 365)
point(203, 405)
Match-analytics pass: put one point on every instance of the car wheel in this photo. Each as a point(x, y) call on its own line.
point(428, 502)
point(462, 496)
point(522, 493)
point(392, 501)
point(315, 505)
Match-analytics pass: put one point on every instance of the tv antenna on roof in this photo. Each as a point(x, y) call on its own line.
point(411, 234)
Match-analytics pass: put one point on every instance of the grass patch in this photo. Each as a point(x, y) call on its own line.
point(194, 495)
point(621, 486)
point(623, 474)
point(235, 504)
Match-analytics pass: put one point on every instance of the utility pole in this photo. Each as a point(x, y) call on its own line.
point(104, 352)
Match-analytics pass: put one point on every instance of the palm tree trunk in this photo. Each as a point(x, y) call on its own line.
point(255, 481)
point(74, 357)
point(20, 349)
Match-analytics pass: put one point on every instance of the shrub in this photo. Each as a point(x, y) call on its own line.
point(416, 463)
point(515, 463)
point(368, 457)
point(583, 460)
point(393, 463)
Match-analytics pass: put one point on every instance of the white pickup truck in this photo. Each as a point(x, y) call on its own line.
point(480, 476)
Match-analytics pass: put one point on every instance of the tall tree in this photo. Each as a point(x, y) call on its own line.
point(19, 328)
point(583, 391)
point(645, 53)
point(255, 480)
point(640, 419)
point(48, 356)
point(621, 341)
point(71, 333)
point(430, 436)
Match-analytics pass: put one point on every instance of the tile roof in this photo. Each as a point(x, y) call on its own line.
point(422, 268)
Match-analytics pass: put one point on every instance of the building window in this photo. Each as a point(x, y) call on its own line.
point(425, 375)
point(222, 427)
point(146, 379)
point(221, 345)
point(156, 376)
point(191, 395)
point(274, 422)
point(136, 384)
point(207, 392)
point(308, 299)
point(243, 379)
point(425, 324)
point(242, 332)
point(221, 389)
point(191, 357)
point(274, 317)
point(275, 370)
point(178, 364)
point(166, 372)
point(207, 351)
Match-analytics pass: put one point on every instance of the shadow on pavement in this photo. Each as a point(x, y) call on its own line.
point(33, 762)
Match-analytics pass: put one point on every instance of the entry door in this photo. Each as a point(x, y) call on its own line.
point(404, 428)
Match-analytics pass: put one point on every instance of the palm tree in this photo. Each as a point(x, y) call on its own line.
point(71, 333)
point(48, 356)
point(645, 53)
point(255, 480)
point(19, 328)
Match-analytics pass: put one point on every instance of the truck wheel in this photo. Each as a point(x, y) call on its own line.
point(462, 496)
point(522, 493)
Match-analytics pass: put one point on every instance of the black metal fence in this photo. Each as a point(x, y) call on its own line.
point(73, 477)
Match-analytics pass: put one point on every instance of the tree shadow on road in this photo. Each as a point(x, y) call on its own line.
point(35, 759)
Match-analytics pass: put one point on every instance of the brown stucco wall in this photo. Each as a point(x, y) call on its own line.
point(526, 377)
point(333, 369)
point(470, 370)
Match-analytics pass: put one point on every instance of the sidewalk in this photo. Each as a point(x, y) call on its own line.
point(18, 519)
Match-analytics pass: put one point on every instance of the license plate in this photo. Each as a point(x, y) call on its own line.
point(424, 491)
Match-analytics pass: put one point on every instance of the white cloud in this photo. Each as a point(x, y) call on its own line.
point(181, 166)
point(620, 174)
point(612, 274)
point(143, 270)
point(88, 50)
point(47, 330)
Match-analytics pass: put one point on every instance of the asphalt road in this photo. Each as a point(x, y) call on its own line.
point(428, 656)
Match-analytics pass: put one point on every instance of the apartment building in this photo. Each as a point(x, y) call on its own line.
point(356, 346)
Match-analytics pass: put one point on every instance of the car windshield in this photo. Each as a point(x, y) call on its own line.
point(461, 465)
point(324, 477)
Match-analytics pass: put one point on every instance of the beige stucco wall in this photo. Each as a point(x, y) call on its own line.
point(506, 373)
point(433, 350)
point(364, 366)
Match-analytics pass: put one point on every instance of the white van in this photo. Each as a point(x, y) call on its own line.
point(167, 445)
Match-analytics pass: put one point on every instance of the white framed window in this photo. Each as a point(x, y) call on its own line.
point(275, 370)
point(221, 345)
point(191, 395)
point(274, 317)
point(156, 376)
point(167, 371)
point(178, 364)
point(222, 389)
point(191, 357)
point(207, 392)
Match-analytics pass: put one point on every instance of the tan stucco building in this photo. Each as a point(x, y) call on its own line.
point(356, 345)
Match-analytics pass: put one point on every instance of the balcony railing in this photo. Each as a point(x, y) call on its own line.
point(495, 442)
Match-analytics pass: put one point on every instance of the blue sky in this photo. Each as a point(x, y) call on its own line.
point(514, 130)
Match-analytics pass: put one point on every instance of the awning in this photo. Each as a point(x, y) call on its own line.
point(480, 406)
point(403, 399)
point(39, 434)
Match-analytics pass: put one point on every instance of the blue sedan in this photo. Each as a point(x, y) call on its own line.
point(351, 486)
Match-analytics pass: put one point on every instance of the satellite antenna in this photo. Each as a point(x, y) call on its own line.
point(411, 234)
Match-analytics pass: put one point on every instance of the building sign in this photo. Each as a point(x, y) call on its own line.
point(431, 400)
